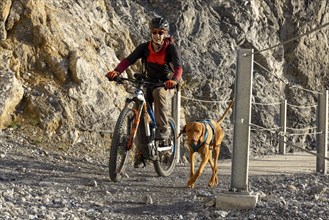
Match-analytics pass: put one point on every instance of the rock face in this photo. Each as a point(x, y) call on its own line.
point(59, 51)
point(10, 88)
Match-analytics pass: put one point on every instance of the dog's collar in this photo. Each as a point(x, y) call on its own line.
point(205, 122)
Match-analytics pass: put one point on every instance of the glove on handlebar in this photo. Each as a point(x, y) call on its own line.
point(112, 75)
point(170, 84)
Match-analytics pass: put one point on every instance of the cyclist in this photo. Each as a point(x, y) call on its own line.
point(162, 62)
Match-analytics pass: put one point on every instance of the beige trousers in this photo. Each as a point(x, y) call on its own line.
point(162, 102)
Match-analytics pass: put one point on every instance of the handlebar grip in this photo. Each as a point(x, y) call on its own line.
point(118, 79)
point(107, 76)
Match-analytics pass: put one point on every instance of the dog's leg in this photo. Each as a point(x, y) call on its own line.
point(214, 178)
point(192, 162)
point(211, 161)
point(205, 159)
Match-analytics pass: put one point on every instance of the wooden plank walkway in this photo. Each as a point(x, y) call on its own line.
point(299, 162)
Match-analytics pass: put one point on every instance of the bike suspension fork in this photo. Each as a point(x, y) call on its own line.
point(146, 121)
point(137, 112)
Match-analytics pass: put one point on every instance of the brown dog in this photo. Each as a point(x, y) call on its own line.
point(205, 137)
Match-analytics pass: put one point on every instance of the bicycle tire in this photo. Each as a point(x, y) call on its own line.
point(119, 154)
point(165, 164)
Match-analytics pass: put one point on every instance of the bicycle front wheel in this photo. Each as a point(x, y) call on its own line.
point(166, 161)
point(119, 154)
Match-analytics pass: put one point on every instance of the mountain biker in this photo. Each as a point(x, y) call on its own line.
point(162, 62)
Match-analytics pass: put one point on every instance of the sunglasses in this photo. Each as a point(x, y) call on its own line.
point(158, 32)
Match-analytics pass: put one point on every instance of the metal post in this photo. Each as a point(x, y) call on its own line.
point(283, 122)
point(175, 110)
point(242, 115)
point(322, 138)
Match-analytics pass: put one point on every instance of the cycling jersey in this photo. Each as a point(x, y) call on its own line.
point(156, 63)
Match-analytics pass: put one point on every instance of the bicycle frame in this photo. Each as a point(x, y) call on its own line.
point(142, 104)
point(139, 99)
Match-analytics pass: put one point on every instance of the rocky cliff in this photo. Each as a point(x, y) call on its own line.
point(54, 54)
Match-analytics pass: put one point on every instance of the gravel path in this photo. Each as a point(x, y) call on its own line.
point(38, 184)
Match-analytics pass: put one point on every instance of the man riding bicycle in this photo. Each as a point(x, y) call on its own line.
point(162, 62)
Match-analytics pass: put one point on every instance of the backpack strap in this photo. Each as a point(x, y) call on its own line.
point(171, 40)
point(146, 53)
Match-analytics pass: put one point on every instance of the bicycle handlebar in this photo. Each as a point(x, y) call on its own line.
point(139, 81)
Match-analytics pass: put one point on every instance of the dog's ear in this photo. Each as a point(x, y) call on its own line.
point(182, 131)
point(204, 128)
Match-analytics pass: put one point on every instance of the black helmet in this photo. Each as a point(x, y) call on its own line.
point(160, 23)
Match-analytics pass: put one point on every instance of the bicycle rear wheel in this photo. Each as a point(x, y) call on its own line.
point(166, 161)
point(119, 154)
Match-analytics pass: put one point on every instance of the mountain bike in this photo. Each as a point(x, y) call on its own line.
point(136, 112)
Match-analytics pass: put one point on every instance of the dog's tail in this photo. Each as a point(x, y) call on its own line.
point(225, 113)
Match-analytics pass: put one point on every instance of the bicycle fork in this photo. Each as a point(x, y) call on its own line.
point(142, 109)
point(137, 114)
